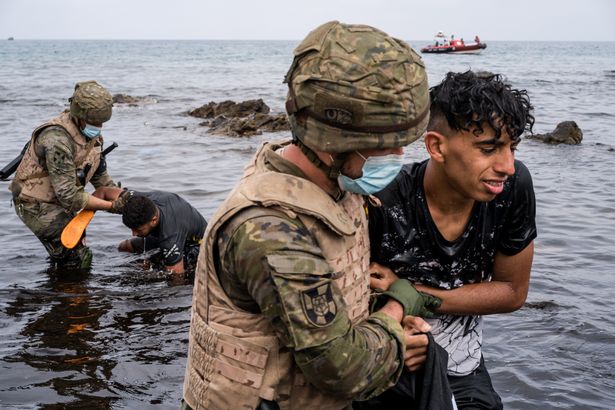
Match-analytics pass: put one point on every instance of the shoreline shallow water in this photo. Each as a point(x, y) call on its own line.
point(117, 338)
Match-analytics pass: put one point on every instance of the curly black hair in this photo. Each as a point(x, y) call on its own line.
point(469, 100)
point(138, 211)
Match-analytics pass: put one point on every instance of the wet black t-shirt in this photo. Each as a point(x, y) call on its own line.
point(404, 237)
point(180, 226)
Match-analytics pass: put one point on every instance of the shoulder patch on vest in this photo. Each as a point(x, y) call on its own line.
point(318, 305)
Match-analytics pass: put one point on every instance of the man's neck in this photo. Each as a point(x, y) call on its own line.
point(294, 154)
point(449, 209)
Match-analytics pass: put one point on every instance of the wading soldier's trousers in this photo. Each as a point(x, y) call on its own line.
point(47, 221)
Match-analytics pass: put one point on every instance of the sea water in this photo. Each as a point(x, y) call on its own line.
point(117, 337)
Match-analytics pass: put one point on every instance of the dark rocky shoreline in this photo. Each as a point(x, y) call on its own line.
point(241, 119)
point(253, 117)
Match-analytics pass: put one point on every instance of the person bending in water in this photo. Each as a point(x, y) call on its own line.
point(461, 224)
point(160, 220)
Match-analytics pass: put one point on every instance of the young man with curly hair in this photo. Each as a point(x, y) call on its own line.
point(461, 224)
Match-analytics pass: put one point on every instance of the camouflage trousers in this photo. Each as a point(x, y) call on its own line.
point(47, 221)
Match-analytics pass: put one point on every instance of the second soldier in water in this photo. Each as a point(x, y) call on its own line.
point(64, 154)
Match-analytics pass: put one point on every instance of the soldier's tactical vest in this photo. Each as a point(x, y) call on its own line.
point(234, 357)
point(32, 182)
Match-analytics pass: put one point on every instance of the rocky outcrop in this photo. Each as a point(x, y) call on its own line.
point(254, 124)
point(484, 74)
point(231, 109)
point(240, 119)
point(132, 100)
point(567, 132)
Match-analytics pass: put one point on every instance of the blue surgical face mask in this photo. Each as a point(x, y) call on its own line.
point(378, 172)
point(91, 131)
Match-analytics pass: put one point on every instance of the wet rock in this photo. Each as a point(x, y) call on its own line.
point(234, 127)
point(242, 119)
point(484, 74)
point(133, 100)
point(567, 132)
point(272, 123)
point(254, 124)
point(231, 109)
point(542, 305)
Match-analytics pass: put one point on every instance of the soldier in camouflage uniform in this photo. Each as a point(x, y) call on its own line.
point(63, 155)
point(280, 314)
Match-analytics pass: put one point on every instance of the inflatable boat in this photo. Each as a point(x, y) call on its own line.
point(456, 46)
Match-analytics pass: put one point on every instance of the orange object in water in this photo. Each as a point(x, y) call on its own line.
point(71, 235)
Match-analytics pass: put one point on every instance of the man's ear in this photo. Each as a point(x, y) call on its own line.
point(435, 143)
point(154, 221)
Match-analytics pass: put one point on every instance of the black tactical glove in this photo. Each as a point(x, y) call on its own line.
point(117, 206)
point(415, 303)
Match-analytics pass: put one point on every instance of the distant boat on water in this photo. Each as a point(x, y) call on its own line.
point(442, 45)
point(11, 38)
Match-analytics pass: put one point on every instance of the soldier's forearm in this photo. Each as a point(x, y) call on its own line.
point(97, 204)
point(79, 202)
point(107, 193)
point(394, 310)
point(362, 364)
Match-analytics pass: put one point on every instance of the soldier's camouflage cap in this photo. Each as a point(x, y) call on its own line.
point(355, 87)
point(91, 102)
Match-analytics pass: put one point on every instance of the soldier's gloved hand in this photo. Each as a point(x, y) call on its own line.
point(415, 303)
point(117, 206)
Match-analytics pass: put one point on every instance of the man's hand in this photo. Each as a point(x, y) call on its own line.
point(381, 277)
point(177, 268)
point(414, 303)
point(117, 206)
point(125, 246)
point(416, 342)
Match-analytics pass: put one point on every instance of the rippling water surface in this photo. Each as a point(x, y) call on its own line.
point(117, 337)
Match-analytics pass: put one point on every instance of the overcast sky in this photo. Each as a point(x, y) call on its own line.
point(525, 20)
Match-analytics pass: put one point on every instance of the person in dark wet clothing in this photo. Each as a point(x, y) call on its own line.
point(165, 221)
point(461, 224)
point(160, 220)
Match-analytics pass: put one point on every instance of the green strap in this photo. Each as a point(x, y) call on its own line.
point(333, 170)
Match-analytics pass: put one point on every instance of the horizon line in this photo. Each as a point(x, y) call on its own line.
point(11, 38)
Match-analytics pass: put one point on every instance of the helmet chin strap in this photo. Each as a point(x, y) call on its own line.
point(76, 121)
point(332, 171)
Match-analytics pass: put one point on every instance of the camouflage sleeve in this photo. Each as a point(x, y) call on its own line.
point(102, 178)
point(278, 263)
point(58, 153)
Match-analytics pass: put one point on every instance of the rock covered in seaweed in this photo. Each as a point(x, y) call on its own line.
point(243, 119)
point(230, 109)
point(133, 101)
point(566, 132)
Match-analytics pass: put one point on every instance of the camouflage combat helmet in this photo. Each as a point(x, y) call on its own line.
point(355, 87)
point(91, 102)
